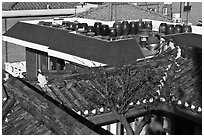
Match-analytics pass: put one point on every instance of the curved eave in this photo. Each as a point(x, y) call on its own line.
point(109, 118)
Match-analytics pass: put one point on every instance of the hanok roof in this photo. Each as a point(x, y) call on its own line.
point(38, 5)
point(28, 111)
point(81, 92)
point(67, 94)
point(121, 11)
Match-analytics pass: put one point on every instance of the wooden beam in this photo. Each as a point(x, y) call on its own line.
point(176, 110)
point(109, 118)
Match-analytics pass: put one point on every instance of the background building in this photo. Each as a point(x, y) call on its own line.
point(12, 52)
point(175, 9)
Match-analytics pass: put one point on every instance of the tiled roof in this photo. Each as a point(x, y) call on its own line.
point(82, 94)
point(8, 5)
point(42, 5)
point(81, 90)
point(124, 11)
point(25, 125)
point(28, 111)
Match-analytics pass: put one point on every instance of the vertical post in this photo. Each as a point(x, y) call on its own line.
point(171, 12)
point(31, 64)
point(136, 124)
point(75, 10)
point(115, 12)
point(180, 8)
point(35, 60)
point(108, 127)
point(118, 128)
point(6, 43)
point(111, 16)
point(187, 17)
point(167, 125)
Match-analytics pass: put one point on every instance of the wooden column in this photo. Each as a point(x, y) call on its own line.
point(108, 127)
point(119, 129)
point(35, 60)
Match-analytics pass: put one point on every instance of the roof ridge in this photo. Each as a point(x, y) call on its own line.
point(105, 5)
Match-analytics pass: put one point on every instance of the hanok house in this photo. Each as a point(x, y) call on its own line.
point(82, 79)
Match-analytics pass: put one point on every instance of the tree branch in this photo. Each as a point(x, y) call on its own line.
point(123, 121)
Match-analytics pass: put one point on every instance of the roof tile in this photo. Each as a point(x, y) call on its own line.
point(124, 11)
point(43, 5)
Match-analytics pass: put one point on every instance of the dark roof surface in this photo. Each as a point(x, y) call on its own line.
point(111, 53)
point(187, 73)
point(121, 11)
point(187, 39)
point(79, 92)
point(29, 111)
point(25, 125)
point(78, 88)
point(38, 5)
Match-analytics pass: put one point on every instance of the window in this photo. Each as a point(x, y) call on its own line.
point(164, 11)
point(153, 9)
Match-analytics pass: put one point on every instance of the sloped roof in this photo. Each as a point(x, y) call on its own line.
point(117, 52)
point(25, 126)
point(187, 39)
point(81, 91)
point(8, 5)
point(38, 5)
point(121, 11)
point(28, 111)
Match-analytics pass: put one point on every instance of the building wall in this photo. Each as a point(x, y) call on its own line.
point(194, 15)
point(14, 52)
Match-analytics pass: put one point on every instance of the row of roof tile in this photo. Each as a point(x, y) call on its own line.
point(36, 113)
point(121, 11)
point(37, 5)
point(82, 93)
point(19, 121)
